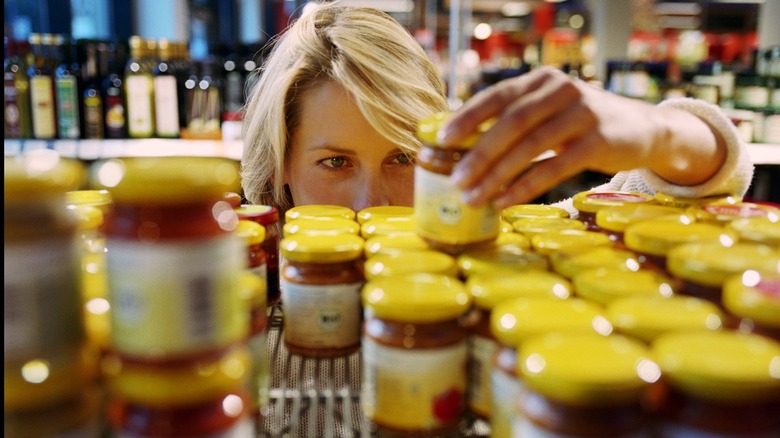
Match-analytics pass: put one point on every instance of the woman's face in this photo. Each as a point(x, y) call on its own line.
point(337, 158)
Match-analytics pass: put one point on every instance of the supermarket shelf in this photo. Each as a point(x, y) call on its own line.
point(760, 153)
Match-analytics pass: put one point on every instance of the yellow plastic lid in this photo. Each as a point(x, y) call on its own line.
point(604, 285)
point(725, 366)
point(318, 211)
point(617, 219)
point(593, 201)
point(394, 244)
point(587, 369)
point(516, 320)
point(672, 201)
point(568, 241)
point(387, 226)
point(250, 232)
point(187, 384)
point(513, 239)
point(499, 258)
point(320, 227)
point(166, 180)
point(646, 318)
point(409, 262)
point(263, 214)
point(761, 229)
point(322, 249)
point(505, 227)
point(520, 211)
point(491, 288)
point(571, 264)
point(39, 173)
point(531, 226)
point(428, 128)
point(87, 216)
point(755, 296)
point(417, 298)
point(723, 213)
point(658, 236)
point(254, 290)
point(384, 211)
point(711, 264)
point(97, 198)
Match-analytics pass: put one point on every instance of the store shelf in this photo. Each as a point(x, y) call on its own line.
point(321, 396)
point(147, 147)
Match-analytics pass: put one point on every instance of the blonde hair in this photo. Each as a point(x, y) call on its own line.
point(369, 53)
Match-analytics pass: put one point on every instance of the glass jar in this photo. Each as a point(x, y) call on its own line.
point(268, 217)
point(582, 385)
point(604, 285)
point(646, 318)
point(764, 230)
point(173, 261)
point(387, 226)
point(571, 264)
point(321, 278)
point(384, 211)
point(588, 203)
point(520, 211)
point(426, 261)
point(320, 227)
point(754, 298)
point(414, 353)
point(253, 235)
point(614, 220)
point(488, 290)
point(78, 415)
point(257, 340)
point(319, 211)
point(446, 222)
point(562, 241)
point(506, 257)
point(717, 384)
point(394, 244)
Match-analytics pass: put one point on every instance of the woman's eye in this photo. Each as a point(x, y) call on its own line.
point(403, 159)
point(334, 161)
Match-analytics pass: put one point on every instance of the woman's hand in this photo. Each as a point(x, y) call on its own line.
point(586, 127)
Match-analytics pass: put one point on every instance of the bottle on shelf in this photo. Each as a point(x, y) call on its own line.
point(67, 85)
point(93, 97)
point(112, 56)
point(17, 121)
point(166, 96)
point(41, 75)
point(139, 90)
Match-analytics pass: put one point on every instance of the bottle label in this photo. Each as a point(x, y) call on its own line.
point(481, 352)
point(418, 389)
point(42, 104)
point(93, 115)
point(505, 399)
point(175, 298)
point(322, 316)
point(442, 216)
point(166, 106)
point(11, 110)
point(752, 96)
point(68, 107)
point(772, 129)
point(41, 298)
point(115, 117)
point(139, 106)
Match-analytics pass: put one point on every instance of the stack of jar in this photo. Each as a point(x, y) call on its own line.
point(178, 361)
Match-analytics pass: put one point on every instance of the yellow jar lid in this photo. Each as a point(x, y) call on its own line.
point(531, 226)
point(646, 318)
point(88, 217)
point(755, 296)
point(617, 219)
point(186, 384)
point(658, 236)
point(513, 239)
point(254, 290)
point(724, 213)
point(97, 198)
point(394, 244)
point(593, 201)
point(491, 288)
point(569, 264)
point(322, 249)
point(516, 320)
point(428, 128)
point(384, 211)
point(587, 369)
point(499, 258)
point(39, 173)
point(427, 261)
point(250, 232)
point(604, 285)
point(169, 180)
point(318, 211)
point(387, 226)
point(725, 366)
point(320, 227)
point(505, 227)
point(253, 211)
point(420, 298)
point(520, 211)
point(673, 201)
point(711, 264)
point(568, 241)
point(761, 229)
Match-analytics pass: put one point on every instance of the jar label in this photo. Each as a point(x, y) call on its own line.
point(505, 399)
point(416, 389)
point(41, 298)
point(322, 316)
point(442, 216)
point(481, 350)
point(176, 298)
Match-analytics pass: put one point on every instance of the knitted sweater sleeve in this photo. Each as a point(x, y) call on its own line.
point(733, 178)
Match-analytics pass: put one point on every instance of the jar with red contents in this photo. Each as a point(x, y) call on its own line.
point(268, 217)
point(590, 202)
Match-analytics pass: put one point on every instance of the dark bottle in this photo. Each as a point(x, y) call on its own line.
point(17, 121)
point(112, 56)
point(41, 74)
point(232, 71)
point(93, 96)
point(67, 86)
point(166, 95)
